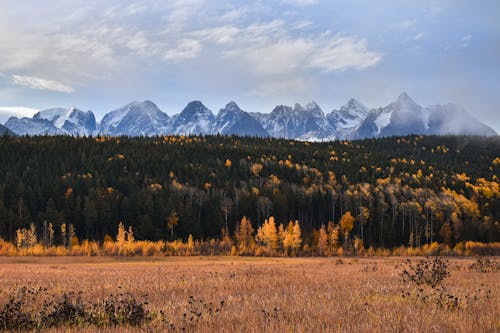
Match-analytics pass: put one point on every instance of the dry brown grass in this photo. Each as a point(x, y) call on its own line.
point(267, 294)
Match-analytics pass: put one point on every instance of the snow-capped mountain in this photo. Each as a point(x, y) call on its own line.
point(292, 123)
point(346, 121)
point(308, 123)
point(196, 118)
point(73, 121)
point(56, 121)
point(401, 117)
point(231, 120)
point(30, 126)
point(135, 119)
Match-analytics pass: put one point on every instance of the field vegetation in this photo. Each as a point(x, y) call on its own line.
point(246, 294)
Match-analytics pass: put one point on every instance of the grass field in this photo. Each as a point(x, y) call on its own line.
point(236, 294)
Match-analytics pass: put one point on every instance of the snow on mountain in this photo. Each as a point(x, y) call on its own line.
point(194, 119)
point(231, 120)
point(402, 117)
point(308, 123)
point(135, 119)
point(73, 121)
point(347, 120)
point(290, 123)
point(29, 126)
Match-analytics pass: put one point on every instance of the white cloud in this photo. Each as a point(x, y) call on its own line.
point(41, 84)
point(302, 24)
point(342, 53)
point(185, 49)
point(233, 15)
point(293, 56)
point(15, 111)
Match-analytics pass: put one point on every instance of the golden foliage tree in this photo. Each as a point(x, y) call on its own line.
point(346, 225)
point(268, 235)
point(244, 236)
point(296, 237)
point(322, 241)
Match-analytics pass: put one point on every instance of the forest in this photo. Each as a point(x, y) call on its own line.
point(379, 193)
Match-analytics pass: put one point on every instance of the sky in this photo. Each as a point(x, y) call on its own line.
point(101, 54)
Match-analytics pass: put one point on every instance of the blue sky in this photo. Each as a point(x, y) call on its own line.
point(102, 54)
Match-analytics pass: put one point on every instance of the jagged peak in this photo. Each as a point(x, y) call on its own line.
point(195, 108)
point(232, 106)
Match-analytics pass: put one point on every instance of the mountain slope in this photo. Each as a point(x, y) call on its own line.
point(29, 126)
point(292, 123)
point(135, 119)
point(73, 121)
point(196, 118)
point(348, 119)
point(231, 120)
point(401, 117)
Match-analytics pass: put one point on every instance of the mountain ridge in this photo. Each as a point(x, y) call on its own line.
point(307, 123)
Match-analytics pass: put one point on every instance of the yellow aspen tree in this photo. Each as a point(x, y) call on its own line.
point(20, 238)
point(244, 236)
point(288, 238)
point(31, 238)
point(333, 236)
point(190, 245)
point(346, 225)
point(121, 238)
point(130, 240)
point(322, 241)
point(63, 234)
point(268, 235)
point(296, 237)
point(281, 236)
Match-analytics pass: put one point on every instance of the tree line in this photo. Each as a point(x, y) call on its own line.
point(380, 193)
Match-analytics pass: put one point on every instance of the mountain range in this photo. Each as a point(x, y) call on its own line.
point(309, 123)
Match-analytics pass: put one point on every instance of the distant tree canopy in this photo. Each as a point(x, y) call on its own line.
point(398, 191)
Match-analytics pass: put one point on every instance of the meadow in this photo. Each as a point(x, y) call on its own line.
point(250, 294)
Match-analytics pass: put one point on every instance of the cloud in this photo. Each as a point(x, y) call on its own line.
point(233, 15)
point(342, 53)
point(302, 24)
point(14, 111)
point(41, 84)
point(295, 55)
point(185, 49)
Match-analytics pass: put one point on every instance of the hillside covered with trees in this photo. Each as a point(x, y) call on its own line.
point(388, 192)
